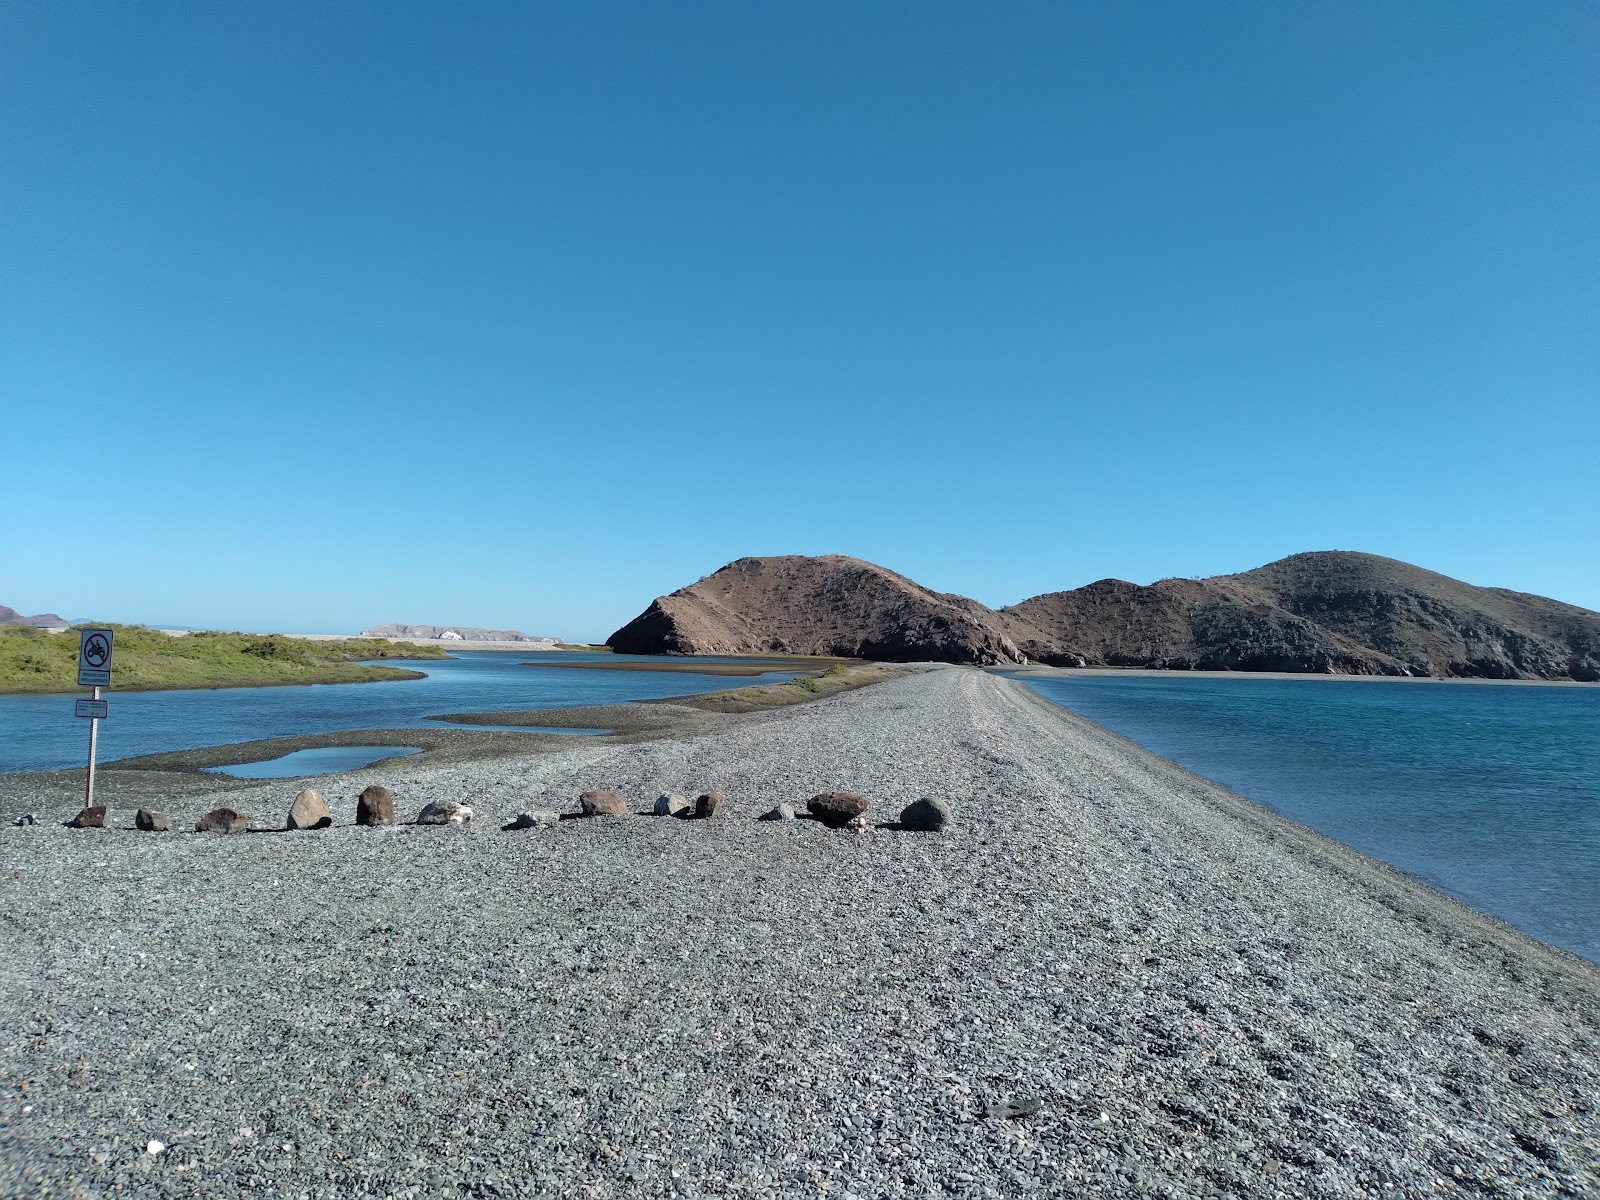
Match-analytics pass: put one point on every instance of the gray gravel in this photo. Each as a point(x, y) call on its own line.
point(1107, 978)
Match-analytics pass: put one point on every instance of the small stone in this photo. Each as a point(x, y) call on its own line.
point(601, 803)
point(835, 809)
point(670, 804)
point(222, 820)
point(857, 824)
point(444, 812)
point(28, 819)
point(309, 811)
point(926, 816)
point(89, 818)
point(709, 804)
point(783, 812)
point(152, 822)
point(154, 1146)
point(1012, 1109)
point(523, 820)
point(538, 818)
point(375, 806)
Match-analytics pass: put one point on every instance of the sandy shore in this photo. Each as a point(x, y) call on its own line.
point(1183, 994)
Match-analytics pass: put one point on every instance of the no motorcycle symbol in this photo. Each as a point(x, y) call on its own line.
point(96, 650)
point(94, 657)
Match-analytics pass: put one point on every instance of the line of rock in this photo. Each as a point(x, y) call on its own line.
point(375, 807)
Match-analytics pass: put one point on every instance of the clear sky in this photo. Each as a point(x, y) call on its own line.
point(316, 315)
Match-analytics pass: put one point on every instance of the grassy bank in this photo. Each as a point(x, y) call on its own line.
point(33, 660)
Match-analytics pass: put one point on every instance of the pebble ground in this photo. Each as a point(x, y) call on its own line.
point(1181, 994)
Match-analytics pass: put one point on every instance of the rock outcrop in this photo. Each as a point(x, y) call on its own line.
point(832, 605)
point(10, 616)
point(1328, 612)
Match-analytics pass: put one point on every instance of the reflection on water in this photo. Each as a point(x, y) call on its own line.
point(1490, 792)
point(320, 761)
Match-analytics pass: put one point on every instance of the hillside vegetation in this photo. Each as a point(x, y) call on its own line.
point(33, 660)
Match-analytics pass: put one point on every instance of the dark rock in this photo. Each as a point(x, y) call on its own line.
point(89, 818)
point(783, 812)
point(709, 804)
point(222, 820)
point(375, 806)
point(835, 809)
point(309, 811)
point(444, 812)
point(601, 803)
point(28, 819)
point(1012, 1109)
point(152, 822)
point(926, 816)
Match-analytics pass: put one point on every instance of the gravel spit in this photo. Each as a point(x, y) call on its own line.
point(1106, 978)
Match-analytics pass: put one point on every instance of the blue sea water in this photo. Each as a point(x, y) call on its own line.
point(1490, 792)
point(39, 733)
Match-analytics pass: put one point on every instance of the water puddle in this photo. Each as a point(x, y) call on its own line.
point(323, 760)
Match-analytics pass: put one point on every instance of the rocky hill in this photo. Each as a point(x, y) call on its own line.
point(451, 633)
point(831, 604)
point(10, 616)
point(1330, 612)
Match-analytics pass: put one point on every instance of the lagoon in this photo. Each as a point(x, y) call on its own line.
point(39, 733)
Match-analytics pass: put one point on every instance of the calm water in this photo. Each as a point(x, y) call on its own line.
point(1490, 792)
point(322, 760)
point(39, 733)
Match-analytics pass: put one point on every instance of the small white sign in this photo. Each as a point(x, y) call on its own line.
point(94, 657)
point(98, 709)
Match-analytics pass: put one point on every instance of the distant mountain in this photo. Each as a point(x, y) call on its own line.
point(452, 633)
point(1329, 612)
point(828, 605)
point(10, 616)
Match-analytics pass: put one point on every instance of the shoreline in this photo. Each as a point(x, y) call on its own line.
point(1196, 992)
point(1048, 672)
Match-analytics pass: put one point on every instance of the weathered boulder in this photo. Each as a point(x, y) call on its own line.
point(538, 818)
point(222, 820)
point(709, 804)
point(152, 822)
point(309, 811)
point(783, 812)
point(928, 815)
point(601, 803)
point(835, 809)
point(89, 818)
point(444, 812)
point(670, 804)
point(375, 806)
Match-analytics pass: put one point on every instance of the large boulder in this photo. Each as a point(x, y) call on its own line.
point(375, 806)
point(709, 804)
point(670, 804)
point(309, 811)
point(601, 803)
point(222, 820)
point(152, 822)
point(444, 812)
point(89, 818)
point(928, 815)
point(836, 809)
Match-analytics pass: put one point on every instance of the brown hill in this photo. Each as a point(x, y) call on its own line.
point(830, 604)
point(10, 616)
point(1330, 612)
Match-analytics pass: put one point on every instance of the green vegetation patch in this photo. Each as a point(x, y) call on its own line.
point(34, 660)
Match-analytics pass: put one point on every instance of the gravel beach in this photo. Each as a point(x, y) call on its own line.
point(1106, 978)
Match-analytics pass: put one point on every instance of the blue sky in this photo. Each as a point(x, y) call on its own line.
point(319, 315)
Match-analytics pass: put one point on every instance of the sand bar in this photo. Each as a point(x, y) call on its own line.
point(1179, 993)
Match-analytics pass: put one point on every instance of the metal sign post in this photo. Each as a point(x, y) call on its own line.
point(94, 670)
